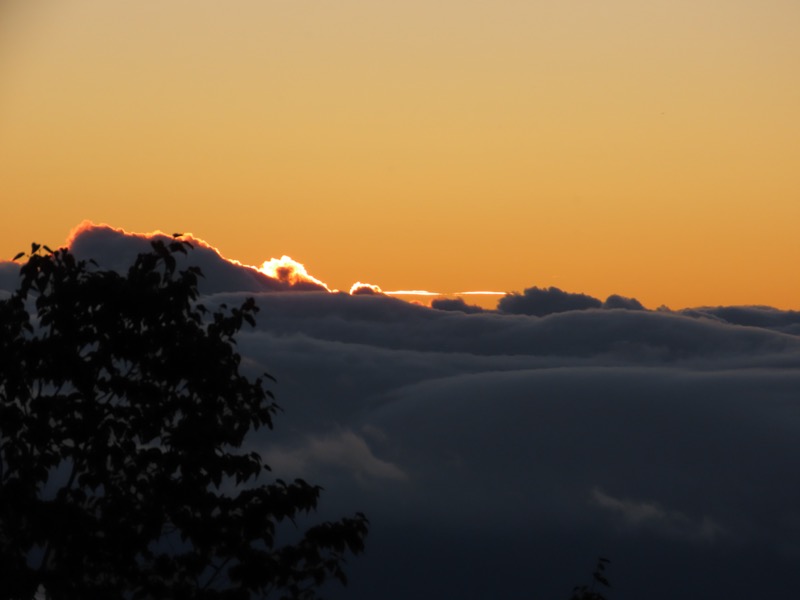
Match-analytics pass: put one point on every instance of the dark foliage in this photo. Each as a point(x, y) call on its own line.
point(592, 591)
point(122, 416)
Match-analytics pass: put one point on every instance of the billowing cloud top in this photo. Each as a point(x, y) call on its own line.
point(365, 289)
point(114, 248)
point(540, 302)
point(490, 450)
point(617, 301)
point(455, 304)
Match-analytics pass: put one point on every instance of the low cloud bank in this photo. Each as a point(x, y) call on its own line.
point(541, 302)
point(787, 321)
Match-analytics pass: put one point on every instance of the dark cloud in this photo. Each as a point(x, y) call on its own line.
point(456, 304)
point(9, 277)
point(616, 301)
point(115, 249)
point(365, 289)
point(544, 301)
point(498, 454)
point(500, 440)
point(787, 321)
point(639, 336)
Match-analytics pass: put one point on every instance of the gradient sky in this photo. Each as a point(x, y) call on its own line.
point(650, 149)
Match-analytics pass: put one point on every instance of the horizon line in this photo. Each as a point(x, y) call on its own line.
point(429, 293)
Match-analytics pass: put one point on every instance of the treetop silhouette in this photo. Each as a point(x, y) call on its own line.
point(123, 413)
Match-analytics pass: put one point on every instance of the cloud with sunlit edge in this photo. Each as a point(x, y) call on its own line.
point(116, 248)
point(291, 272)
point(365, 289)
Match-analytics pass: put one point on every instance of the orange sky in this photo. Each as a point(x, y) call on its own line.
point(646, 149)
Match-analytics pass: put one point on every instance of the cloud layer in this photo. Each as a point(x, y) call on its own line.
point(497, 454)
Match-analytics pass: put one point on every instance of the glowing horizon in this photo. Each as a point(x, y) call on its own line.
point(292, 272)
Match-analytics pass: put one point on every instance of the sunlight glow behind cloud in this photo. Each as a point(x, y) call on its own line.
point(359, 288)
point(289, 271)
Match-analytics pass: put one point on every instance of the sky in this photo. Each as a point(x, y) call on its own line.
point(619, 147)
point(498, 453)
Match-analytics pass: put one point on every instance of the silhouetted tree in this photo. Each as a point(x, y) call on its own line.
point(122, 417)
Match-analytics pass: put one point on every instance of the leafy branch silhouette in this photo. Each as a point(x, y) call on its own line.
point(123, 413)
point(599, 580)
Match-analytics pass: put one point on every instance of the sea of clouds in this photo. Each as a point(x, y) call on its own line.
point(498, 453)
